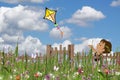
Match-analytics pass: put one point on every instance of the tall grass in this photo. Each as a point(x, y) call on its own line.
point(12, 67)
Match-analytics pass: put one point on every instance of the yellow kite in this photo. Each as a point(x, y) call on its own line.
point(51, 15)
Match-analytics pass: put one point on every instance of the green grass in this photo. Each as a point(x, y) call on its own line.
point(34, 69)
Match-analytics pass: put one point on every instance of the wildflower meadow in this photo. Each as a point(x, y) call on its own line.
point(37, 67)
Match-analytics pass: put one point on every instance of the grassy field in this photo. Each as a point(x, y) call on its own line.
point(12, 67)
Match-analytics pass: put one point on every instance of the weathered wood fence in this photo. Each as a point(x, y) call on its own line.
point(62, 50)
point(108, 58)
point(50, 51)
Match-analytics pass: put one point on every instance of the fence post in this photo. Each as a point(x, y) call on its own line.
point(48, 51)
point(60, 53)
point(71, 51)
point(64, 54)
point(71, 54)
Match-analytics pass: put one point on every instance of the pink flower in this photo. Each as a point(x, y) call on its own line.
point(106, 71)
point(80, 71)
point(38, 74)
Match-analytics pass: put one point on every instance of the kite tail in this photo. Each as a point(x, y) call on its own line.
point(61, 32)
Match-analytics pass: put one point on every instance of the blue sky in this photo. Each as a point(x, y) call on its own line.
point(80, 20)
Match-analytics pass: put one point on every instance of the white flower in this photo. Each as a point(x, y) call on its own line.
point(11, 77)
point(51, 74)
point(44, 78)
point(80, 65)
point(56, 68)
point(1, 62)
point(33, 56)
point(39, 73)
point(99, 70)
point(14, 70)
point(1, 77)
point(117, 73)
point(76, 73)
point(28, 60)
point(27, 76)
point(73, 76)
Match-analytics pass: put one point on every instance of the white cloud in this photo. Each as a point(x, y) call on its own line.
point(34, 45)
point(21, 18)
point(1, 40)
point(85, 15)
point(64, 44)
point(80, 39)
point(55, 33)
point(14, 21)
point(21, 1)
point(12, 38)
point(115, 3)
point(31, 45)
point(39, 1)
point(84, 45)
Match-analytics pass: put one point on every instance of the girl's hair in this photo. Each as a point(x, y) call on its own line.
point(108, 46)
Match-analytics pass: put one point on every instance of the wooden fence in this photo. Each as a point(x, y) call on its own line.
point(108, 58)
point(50, 51)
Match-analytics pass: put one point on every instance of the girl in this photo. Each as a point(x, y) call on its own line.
point(103, 47)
